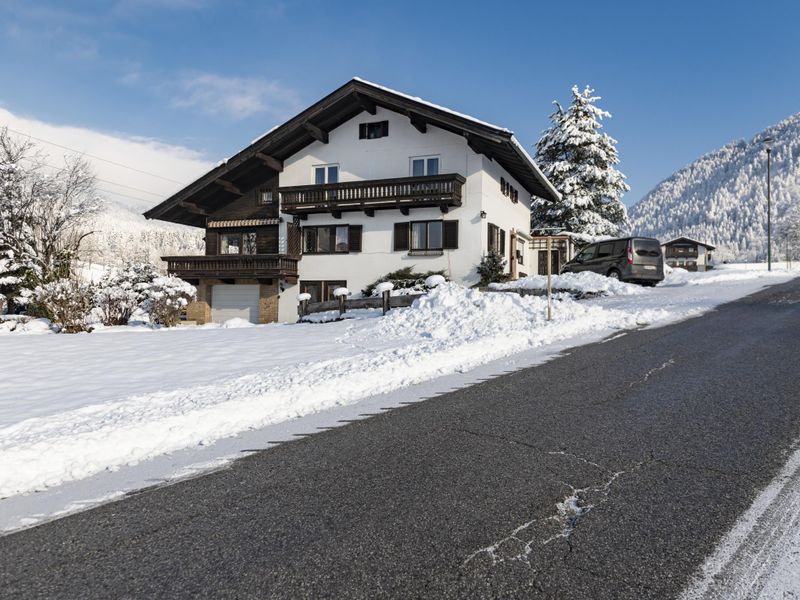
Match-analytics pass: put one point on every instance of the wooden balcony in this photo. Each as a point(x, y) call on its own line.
point(443, 191)
point(228, 266)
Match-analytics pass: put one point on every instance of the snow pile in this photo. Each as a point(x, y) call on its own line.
point(383, 286)
point(237, 323)
point(584, 283)
point(434, 280)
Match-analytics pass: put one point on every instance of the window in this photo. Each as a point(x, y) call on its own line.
point(497, 240)
point(587, 254)
point(604, 250)
point(619, 247)
point(326, 174)
point(422, 237)
point(332, 239)
point(238, 243)
point(509, 190)
point(266, 197)
point(249, 243)
point(424, 165)
point(520, 252)
point(373, 131)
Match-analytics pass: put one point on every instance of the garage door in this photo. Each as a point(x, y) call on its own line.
point(231, 301)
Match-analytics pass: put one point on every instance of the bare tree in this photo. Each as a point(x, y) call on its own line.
point(43, 217)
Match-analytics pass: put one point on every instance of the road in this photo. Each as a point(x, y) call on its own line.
point(609, 472)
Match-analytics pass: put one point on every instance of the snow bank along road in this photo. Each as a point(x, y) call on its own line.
point(76, 406)
point(610, 472)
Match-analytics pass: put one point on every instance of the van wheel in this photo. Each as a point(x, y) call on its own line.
point(614, 274)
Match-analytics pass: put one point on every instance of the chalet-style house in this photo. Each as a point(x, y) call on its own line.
point(688, 254)
point(366, 181)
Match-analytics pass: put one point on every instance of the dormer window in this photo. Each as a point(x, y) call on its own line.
point(373, 131)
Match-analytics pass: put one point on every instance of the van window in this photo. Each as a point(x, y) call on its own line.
point(647, 248)
point(587, 253)
point(606, 249)
point(620, 246)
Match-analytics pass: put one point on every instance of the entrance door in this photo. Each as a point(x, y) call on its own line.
point(555, 262)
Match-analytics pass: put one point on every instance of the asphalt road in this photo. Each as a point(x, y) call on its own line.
point(610, 472)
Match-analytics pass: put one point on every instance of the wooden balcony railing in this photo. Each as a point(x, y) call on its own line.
point(232, 265)
point(443, 191)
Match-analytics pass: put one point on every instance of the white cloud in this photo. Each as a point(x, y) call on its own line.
point(234, 97)
point(134, 172)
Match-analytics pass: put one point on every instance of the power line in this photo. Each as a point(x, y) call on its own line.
point(95, 157)
point(130, 187)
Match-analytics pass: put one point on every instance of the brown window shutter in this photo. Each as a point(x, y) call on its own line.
point(450, 235)
point(401, 236)
point(362, 131)
point(502, 242)
point(354, 238)
point(212, 242)
point(492, 241)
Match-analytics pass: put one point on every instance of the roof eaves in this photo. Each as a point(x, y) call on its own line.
point(545, 181)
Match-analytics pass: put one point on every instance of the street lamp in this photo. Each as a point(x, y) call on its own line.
point(768, 143)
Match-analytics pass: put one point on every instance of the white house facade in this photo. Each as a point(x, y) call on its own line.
point(365, 182)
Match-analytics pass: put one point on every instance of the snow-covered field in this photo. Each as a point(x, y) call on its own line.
point(78, 406)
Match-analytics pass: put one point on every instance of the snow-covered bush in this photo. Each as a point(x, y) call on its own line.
point(404, 279)
point(122, 291)
point(167, 297)
point(66, 302)
point(434, 281)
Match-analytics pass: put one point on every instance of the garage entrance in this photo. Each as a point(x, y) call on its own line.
point(229, 301)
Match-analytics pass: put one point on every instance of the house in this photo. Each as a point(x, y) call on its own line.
point(366, 181)
point(688, 254)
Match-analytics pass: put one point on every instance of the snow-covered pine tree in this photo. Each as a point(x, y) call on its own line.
point(579, 161)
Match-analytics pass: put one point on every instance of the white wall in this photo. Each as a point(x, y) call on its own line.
point(387, 158)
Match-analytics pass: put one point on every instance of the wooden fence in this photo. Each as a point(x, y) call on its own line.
point(343, 304)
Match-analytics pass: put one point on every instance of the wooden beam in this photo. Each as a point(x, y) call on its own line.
point(404, 210)
point(194, 209)
point(370, 212)
point(477, 146)
point(317, 133)
point(444, 208)
point(337, 214)
point(229, 187)
point(366, 103)
point(418, 122)
point(270, 161)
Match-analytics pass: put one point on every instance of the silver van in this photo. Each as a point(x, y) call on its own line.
point(634, 259)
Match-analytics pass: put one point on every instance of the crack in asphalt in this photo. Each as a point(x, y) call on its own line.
point(521, 542)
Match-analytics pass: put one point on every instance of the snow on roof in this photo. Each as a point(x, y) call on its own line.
point(535, 167)
point(432, 105)
point(688, 239)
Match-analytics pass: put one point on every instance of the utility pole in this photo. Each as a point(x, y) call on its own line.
point(768, 143)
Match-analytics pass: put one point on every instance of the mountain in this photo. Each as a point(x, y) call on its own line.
point(121, 234)
point(721, 198)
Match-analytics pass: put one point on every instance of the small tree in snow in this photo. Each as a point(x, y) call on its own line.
point(42, 216)
point(167, 297)
point(492, 269)
point(66, 302)
point(579, 161)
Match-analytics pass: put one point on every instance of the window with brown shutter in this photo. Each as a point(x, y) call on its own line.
point(492, 240)
point(502, 243)
point(450, 235)
point(401, 236)
point(355, 238)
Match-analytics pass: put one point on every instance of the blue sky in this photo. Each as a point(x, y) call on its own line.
point(680, 78)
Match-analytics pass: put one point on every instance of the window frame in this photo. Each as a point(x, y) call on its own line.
point(240, 235)
point(326, 167)
point(364, 129)
point(425, 158)
point(332, 236)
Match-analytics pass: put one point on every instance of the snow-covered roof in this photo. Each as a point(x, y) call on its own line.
point(688, 239)
point(314, 123)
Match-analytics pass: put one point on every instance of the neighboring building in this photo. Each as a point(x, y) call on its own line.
point(364, 182)
point(688, 254)
point(563, 247)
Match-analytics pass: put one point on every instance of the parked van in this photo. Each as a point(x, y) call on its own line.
point(634, 259)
